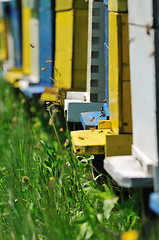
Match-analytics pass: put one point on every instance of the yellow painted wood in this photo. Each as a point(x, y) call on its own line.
point(34, 40)
point(16, 74)
point(26, 15)
point(119, 73)
point(104, 124)
point(3, 40)
point(50, 95)
point(16, 84)
point(13, 75)
point(80, 50)
point(118, 145)
point(61, 5)
point(89, 141)
point(71, 49)
point(117, 5)
point(64, 49)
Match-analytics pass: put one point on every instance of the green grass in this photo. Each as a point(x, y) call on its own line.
point(46, 191)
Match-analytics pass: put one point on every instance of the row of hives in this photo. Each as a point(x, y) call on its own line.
point(83, 48)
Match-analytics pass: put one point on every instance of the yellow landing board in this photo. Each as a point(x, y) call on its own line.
point(50, 95)
point(117, 5)
point(89, 142)
point(13, 76)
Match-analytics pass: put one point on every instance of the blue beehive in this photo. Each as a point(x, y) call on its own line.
point(46, 48)
point(15, 14)
point(46, 37)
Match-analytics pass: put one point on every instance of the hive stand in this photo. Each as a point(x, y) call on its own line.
point(136, 170)
point(95, 69)
point(3, 36)
point(15, 74)
point(46, 18)
point(114, 135)
point(70, 46)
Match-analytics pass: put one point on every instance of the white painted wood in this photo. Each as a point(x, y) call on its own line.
point(26, 80)
point(76, 108)
point(140, 12)
point(34, 38)
point(68, 101)
point(143, 89)
point(127, 172)
point(78, 95)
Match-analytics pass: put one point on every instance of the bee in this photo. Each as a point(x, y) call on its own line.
point(55, 111)
point(148, 29)
point(81, 138)
point(102, 108)
point(101, 131)
point(31, 45)
point(93, 129)
point(84, 98)
point(105, 100)
point(102, 122)
point(92, 119)
point(102, 114)
point(43, 69)
point(49, 61)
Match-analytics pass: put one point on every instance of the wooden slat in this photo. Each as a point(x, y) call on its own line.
point(119, 73)
point(117, 5)
point(127, 172)
point(89, 141)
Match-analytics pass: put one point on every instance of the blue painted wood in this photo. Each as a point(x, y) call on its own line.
point(34, 91)
point(45, 3)
point(87, 117)
point(106, 2)
point(47, 43)
point(154, 202)
point(15, 12)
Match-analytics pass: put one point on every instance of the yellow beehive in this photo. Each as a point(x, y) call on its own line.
point(71, 49)
point(16, 73)
point(119, 73)
point(3, 40)
point(114, 135)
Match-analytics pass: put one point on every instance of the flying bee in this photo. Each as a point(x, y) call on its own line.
point(102, 108)
point(93, 129)
point(105, 100)
point(92, 119)
point(31, 45)
point(49, 61)
point(43, 69)
point(101, 131)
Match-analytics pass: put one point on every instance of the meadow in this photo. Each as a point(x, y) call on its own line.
point(46, 190)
